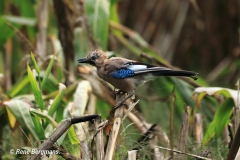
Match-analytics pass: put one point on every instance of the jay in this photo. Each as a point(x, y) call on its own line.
point(127, 75)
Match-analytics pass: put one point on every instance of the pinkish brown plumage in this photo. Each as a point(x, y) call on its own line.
point(126, 74)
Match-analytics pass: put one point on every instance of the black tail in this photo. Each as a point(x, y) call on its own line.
point(191, 74)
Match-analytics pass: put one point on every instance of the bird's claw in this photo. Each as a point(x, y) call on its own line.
point(116, 91)
point(122, 101)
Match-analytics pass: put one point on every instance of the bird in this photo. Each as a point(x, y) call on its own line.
point(125, 74)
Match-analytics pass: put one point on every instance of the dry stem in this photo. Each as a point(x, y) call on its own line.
point(116, 128)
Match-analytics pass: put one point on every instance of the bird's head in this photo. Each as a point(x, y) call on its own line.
point(95, 58)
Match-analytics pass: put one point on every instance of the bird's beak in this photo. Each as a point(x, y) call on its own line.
point(82, 60)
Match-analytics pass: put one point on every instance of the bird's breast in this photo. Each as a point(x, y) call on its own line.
point(126, 84)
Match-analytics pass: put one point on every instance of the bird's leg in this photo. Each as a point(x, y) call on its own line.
point(116, 91)
point(130, 94)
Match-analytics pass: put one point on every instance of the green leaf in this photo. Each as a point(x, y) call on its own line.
point(36, 91)
point(18, 87)
point(223, 115)
point(103, 108)
point(44, 116)
point(221, 119)
point(114, 17)
point(2, 6)
point(226, 92)
point(113, 2)
point(21, 20)
point(38, 127)
point(35, 63)
point(20, 109)
point(48, 71)
point(209, 133)
point(98, 16)
point(50, 85)
point(114, 14)
point(72, 136)
point(11, 118)
point(57, 100)
point(183, 92)
point(134, 49)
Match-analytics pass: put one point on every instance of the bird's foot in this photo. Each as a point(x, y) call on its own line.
point(122, 101)
point(133, 96)
point(117, 91)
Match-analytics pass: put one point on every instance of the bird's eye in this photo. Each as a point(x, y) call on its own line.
point(94, 57)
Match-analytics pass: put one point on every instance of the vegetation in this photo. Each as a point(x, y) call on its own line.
point(43, 88)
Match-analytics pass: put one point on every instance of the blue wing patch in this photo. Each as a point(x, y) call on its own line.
point(122, 73)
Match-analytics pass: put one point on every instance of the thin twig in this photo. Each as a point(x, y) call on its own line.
point(236, 110)
point(144, 138)
point(198, 128)
point(172, 99)
point(63, 153)
point(179, 152)
point(235, 145)
point(62, 128)
point(153, 98)
point(99, 137)
point(130, 108)
point(184, 132)
point(157, 155)
point(46, 145)
point(132, 155)
point(22, 36)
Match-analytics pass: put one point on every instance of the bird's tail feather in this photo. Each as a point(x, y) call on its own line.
point(176, 73)
point(163, 71)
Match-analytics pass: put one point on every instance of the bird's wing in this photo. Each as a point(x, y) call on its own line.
point(115, 64)
point(127, 68)
point(124, 68)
